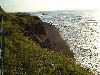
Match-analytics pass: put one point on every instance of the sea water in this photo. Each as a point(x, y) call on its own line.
point(81, 30)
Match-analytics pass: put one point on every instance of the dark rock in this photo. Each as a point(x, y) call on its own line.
point(1, 10)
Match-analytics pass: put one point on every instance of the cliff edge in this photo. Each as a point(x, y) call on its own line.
point(46, 35)
point(29, 48)
point(58, 44)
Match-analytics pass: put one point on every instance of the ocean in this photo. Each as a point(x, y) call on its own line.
point(81, 30)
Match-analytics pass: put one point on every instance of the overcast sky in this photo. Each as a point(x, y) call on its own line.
point(45, 5)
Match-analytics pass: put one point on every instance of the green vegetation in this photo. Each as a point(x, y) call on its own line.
point(24, 56)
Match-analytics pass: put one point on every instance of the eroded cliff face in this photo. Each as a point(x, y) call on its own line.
point(44, 34)
point(34, 30)
point(57, 42)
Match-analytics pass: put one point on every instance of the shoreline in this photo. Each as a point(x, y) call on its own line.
point(55, 38)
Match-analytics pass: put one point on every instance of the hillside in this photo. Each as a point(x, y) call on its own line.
point(29, 50)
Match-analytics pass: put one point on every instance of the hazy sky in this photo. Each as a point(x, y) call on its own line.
point(45, 5)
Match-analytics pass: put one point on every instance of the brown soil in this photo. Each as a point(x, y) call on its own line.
point(58, 43)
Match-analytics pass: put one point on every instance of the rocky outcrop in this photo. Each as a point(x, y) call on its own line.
point(1, 10)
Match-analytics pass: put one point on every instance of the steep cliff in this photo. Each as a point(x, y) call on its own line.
point(58, 44)
point(46, 35)
point(29, 48)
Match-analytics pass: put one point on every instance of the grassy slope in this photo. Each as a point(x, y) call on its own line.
point(25, 57)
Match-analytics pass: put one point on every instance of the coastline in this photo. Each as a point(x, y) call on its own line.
point(55, 38)
point(29, 46)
